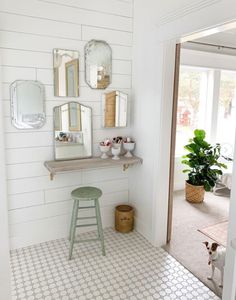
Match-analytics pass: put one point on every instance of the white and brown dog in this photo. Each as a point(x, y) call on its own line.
point(216, 259)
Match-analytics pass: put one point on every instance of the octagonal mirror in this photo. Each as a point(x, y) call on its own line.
point(98, 64)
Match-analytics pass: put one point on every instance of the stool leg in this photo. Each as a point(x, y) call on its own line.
point(100, 230)
point(72, 218)
point(73, 228)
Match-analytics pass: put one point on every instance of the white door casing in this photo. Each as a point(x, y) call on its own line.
point(162, 180)
point(229, 291)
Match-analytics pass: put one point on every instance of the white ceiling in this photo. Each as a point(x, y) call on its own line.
point(225, 39)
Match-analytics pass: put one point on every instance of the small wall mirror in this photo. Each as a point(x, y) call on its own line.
point(66, 73)
point(98, 64)
point(72, 131)
point(27, 104)
point(114, 109)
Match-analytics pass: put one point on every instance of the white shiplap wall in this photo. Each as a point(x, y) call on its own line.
point(39, 209)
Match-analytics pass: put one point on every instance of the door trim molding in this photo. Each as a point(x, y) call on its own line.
point(173, 141)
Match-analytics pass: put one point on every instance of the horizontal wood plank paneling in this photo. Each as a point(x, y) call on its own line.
point(64, 14)
point(111, 36)
point(113, 7)
point(19, 201)
point(27, 233)
point(22, 23)
point(40, 209)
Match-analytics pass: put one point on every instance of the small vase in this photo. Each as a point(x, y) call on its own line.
point(129, 146)
point(115, 152)
point(104, 150)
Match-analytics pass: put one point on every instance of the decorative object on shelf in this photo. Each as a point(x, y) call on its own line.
point(128, 145)
point(66, 73)
point(98, 64)
point(72, 131)
point(203, 164)
point(104, 148)
point(114, 109)
point(124, 218)
point(27, 104)
point(115, 152)
point(117, 141)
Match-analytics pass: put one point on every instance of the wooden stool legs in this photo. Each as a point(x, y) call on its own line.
point(74, 225)
point(99, 227)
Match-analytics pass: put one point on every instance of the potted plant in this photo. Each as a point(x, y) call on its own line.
point(203, 166)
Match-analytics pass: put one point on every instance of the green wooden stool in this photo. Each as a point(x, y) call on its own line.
point(87, 193)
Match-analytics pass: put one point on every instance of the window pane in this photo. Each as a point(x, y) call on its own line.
point(227, 112)
point(191, 113)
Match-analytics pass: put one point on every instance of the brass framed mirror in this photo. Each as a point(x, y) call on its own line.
point(114, 109)
point(66, 73)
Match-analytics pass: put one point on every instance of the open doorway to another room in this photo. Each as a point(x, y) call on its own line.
point(207, 101)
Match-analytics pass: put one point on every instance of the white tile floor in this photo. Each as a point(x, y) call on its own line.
point(132, 269)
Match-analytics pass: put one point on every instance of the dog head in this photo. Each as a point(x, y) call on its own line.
point(212, 251)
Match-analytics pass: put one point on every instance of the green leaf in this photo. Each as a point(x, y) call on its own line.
point(207, 186)
point(186, 171)
point(200, 133)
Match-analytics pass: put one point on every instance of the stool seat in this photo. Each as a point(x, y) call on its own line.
point(86, 193)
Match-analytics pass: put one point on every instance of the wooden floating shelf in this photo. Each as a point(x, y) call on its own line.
point(59, 166)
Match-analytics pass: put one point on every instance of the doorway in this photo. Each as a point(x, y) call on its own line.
point(204, 94)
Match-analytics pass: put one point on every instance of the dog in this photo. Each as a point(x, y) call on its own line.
point(216, 259)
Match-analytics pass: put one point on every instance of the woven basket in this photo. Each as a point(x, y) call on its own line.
point(124, 218)
point(194, 193)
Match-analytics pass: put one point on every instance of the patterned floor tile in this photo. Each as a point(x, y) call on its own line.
point(132, 269)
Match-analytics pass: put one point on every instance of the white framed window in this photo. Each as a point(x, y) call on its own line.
point(207, 100)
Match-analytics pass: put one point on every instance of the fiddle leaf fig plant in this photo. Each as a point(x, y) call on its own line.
point(202, 160)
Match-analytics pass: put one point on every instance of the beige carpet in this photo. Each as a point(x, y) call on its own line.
point(186, 244)
point(217, 232)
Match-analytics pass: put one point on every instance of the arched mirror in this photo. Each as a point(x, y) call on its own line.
point(27, 104)
point(98, 64)
point(72, 131)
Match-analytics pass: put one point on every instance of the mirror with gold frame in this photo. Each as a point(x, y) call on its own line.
point(72, 131)
point(66, 73)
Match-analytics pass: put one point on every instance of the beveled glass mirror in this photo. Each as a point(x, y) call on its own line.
point(72, 131)
point(27, 104)
point(66, 73)
point(114, 109)
point(98, 64)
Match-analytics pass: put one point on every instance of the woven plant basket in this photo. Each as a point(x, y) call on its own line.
point(194, 193)
point(124, 218)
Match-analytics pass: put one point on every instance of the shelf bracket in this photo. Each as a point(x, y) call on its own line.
point(125, 167)
point(51, 175)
